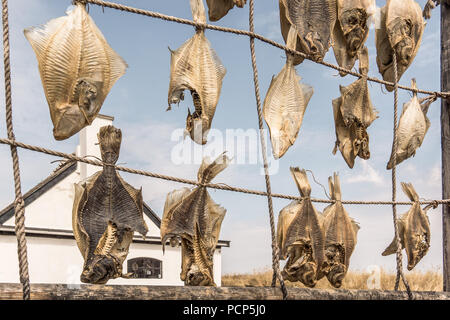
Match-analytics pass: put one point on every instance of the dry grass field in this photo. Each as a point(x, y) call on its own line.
point(418, 281)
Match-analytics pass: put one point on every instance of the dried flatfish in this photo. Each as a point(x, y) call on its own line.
point(192, 216)
point(106, 213)
point(314, 20)
point(353, 114)
point(414, 230)
point(401, 30)
point(412, 127)
point(78, 69)
point(300, 236)
point(217, 9)
point(350, 31)
point(285, 104)
point(196, 67)
point(340, 237)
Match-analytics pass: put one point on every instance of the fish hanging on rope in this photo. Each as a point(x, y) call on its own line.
point(196, 67)
point(190, 215)
point(412, 128)
point(285, 103)
point(106, 213)
point(300, 236)
point(340, 237)
point(351, 30)
point(353, 114)
point(78, 69)
point(217, 9)
point(314, 20)
point(413, 229)
point(401, 30)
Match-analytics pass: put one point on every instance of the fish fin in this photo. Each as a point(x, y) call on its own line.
point(301, 180)
point(409, 190)
point(208, 170)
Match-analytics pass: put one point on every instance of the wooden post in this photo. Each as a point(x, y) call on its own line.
point(445, 137)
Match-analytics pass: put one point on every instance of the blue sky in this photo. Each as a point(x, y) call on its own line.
point(139, 99)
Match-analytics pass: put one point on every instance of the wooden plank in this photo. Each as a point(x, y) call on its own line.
point(445, 138)
point(130, 292)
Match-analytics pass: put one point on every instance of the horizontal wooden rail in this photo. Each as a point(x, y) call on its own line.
point(138, 292)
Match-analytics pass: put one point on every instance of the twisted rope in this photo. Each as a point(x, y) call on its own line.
point(253, 35)
point(219, 186)
point(275, 250)
point(19, 205)
point(394, 187)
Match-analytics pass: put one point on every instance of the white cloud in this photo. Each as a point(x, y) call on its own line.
point(366, 174)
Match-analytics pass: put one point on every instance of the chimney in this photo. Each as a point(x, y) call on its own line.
point(88, 145)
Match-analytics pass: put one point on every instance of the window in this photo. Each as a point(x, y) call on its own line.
point(145, 268)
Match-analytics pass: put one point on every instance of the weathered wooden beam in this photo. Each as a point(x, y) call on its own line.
point(445, 138)
point(133, 292)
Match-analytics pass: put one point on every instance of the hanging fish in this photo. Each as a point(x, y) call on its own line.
point(217, 9)
point(196, 67)
point(350, 31)
point(401, 30)
point(413, 229)
point(314, 20)
point(192, 216)
point(340, 237)
point(285, 104)
point(106, 213)
point(300, 236)
point(353, 114)
point(412, 127)
point(78, 69)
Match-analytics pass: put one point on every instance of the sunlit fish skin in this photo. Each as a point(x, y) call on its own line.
point(197, 68)
point(350, 30)
point(78, 69)
point(192, 217)
point(340, 237)
point(285, 104)
point(217, 9)
point(412, 128)
point(106, 213)
point(300, 236)
point(414, 230)
point(353, 114)
point(314, 20)
point(401, 30)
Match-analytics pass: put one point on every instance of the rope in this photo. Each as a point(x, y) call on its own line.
point(275, 250)
point(19, 205)
point(218, 186)
point(394, 187)
point(253, 35)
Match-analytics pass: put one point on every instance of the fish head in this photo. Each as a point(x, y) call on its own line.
point(354, 26)
point(280, 143)
point(87, 92)
point(197, 126)
point(401, 39)
point(109, 139)
point(336, 274)
point(99, 269)
point(195, 277)
point(314, 46)
point(418, 248)
point(307, 274)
